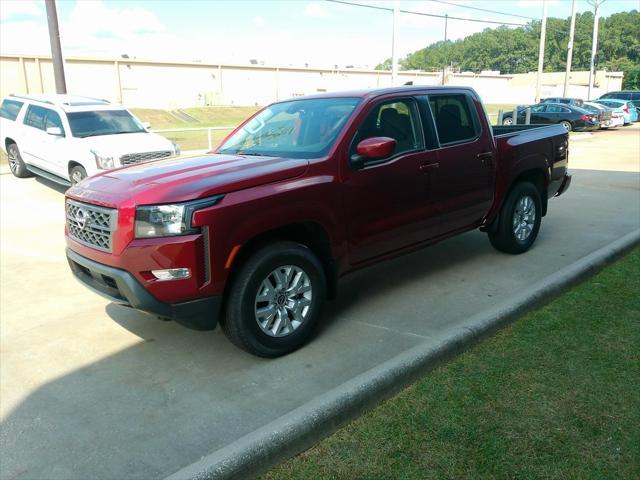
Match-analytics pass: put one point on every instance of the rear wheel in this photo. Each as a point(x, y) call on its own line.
point(567, 125)
point(507, 121)
point(275, 301)
point(16, 164)
point(519, 220)
point(77, 174)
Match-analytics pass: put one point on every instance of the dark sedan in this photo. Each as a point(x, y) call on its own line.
point(569, 116)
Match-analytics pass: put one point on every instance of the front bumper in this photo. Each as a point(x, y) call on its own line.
point(121, 287)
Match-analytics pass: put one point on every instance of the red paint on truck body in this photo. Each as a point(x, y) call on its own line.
point(366, 215)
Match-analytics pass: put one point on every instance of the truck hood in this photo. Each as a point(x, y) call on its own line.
point(123, 143)
point(183, 179)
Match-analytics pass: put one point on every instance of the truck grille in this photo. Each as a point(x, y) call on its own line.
point(131, 158)
point(91, 225)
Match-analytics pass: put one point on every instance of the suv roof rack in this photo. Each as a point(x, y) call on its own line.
point(68, 100)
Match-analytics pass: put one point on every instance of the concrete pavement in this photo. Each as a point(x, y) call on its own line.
point(89, 389)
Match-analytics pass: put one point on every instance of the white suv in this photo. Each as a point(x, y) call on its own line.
point(68, 138)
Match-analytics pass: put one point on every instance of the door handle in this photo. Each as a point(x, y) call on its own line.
point(484, 156)
point(429, 166)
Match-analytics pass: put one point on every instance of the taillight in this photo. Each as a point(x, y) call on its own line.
point(586, 118)
point(626, 109)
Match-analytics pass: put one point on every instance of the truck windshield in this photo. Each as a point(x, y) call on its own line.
point(103, 122)
point(294, 129)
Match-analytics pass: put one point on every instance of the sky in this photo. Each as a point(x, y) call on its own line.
point(294, 32)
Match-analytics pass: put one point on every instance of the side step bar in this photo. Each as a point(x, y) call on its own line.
point(48, 175)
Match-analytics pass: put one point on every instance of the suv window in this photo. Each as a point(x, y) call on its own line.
point(10, 109)
point(397, 119)
point(453, 119)
point(35, 117)
point(53, 120)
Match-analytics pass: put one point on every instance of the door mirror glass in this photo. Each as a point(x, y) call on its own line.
point(57, 131)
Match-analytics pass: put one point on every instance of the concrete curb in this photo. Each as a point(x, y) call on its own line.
point(303, 427)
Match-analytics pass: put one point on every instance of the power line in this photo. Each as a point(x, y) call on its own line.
point(483, 9)
point(434, 15)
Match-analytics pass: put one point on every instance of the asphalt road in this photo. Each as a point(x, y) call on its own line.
point(89, 389)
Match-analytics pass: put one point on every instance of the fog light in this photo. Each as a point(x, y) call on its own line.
point(172, 273)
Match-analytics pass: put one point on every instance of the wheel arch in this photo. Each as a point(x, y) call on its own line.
point(8, 141)
point(308, 233)
point(538, 177)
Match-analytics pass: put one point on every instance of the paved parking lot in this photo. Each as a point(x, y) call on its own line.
point(89, 389)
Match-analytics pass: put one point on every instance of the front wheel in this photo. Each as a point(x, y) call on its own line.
point(77, 174)
point(519, 220)
point(275, 300)
point(16, 164)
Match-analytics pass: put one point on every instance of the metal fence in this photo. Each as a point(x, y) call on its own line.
point(192, 140)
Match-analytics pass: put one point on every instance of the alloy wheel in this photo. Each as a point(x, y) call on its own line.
point(524, 218)
point(283, 301)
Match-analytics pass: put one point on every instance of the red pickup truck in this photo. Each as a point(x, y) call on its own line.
point(257, 234)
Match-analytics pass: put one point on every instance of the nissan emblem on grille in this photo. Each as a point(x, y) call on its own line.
point(91, 225)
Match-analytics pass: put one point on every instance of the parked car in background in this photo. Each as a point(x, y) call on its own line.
point(68, 138)
point(307, 190)
point(576, 102)
point(569, 116)
point(628, 110)
point(632, 95)
point(606, 116)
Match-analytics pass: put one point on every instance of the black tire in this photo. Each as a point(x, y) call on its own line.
point(505, 238)
point(16, 164)
point(77, 174)
point(240, 323)
point(567, 125)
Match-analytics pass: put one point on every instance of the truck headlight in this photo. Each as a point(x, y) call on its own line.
point(103, 162)
point(169, 220)
point(161, 221)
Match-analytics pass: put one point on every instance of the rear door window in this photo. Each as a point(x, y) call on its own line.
point(453, 118)
point(35, 117)
point(10, 109)
point(53, 120)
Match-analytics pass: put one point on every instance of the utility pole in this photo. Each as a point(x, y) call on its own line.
point(594, 43)
point(56, 49)
point(446, 23)
point(543, 33)
point(572, 30)
point(394, 44)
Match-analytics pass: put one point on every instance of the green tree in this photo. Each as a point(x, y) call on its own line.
point(515, 50)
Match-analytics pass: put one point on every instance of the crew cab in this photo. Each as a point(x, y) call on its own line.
point(256, 235)
point(68, 138)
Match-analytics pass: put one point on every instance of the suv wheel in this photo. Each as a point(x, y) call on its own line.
point(519, 220)
point(77, 174)
point(16, 164)
point(275, 301)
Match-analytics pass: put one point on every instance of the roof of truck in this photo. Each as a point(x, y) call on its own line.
point(68, 103)
point(376, 92)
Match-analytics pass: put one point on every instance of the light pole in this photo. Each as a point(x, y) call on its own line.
point(572, 30)
point(543, 32)
point(56, 49)
point(394, 44)
point(594, 43)
point(446, 24)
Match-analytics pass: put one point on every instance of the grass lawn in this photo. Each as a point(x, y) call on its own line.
point(555, 395)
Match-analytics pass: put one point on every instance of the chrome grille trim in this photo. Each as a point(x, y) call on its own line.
point(132, 158)
point(91, 225)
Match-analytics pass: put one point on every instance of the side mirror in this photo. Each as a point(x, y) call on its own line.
point(56, 131)
point(373, 148)
point(146, 125)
